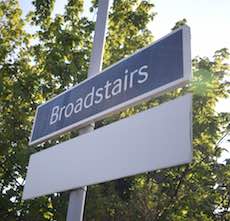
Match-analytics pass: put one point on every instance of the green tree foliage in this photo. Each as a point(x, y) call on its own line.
point(179, 24)
point(198, 191)
point(35, 67)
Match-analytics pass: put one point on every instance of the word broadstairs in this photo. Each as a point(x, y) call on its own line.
point(96, 95)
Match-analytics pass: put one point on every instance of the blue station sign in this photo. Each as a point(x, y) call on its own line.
point(162, 66)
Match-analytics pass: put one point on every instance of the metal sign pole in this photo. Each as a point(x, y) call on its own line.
point(77, 197)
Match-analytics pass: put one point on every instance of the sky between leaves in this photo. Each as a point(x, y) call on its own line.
point(209, 21)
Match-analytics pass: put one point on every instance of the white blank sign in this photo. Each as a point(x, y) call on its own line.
point(157, 138)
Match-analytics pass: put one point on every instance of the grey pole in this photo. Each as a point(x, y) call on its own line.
point(77, 197)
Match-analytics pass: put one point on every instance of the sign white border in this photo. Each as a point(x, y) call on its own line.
point(187, 75)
